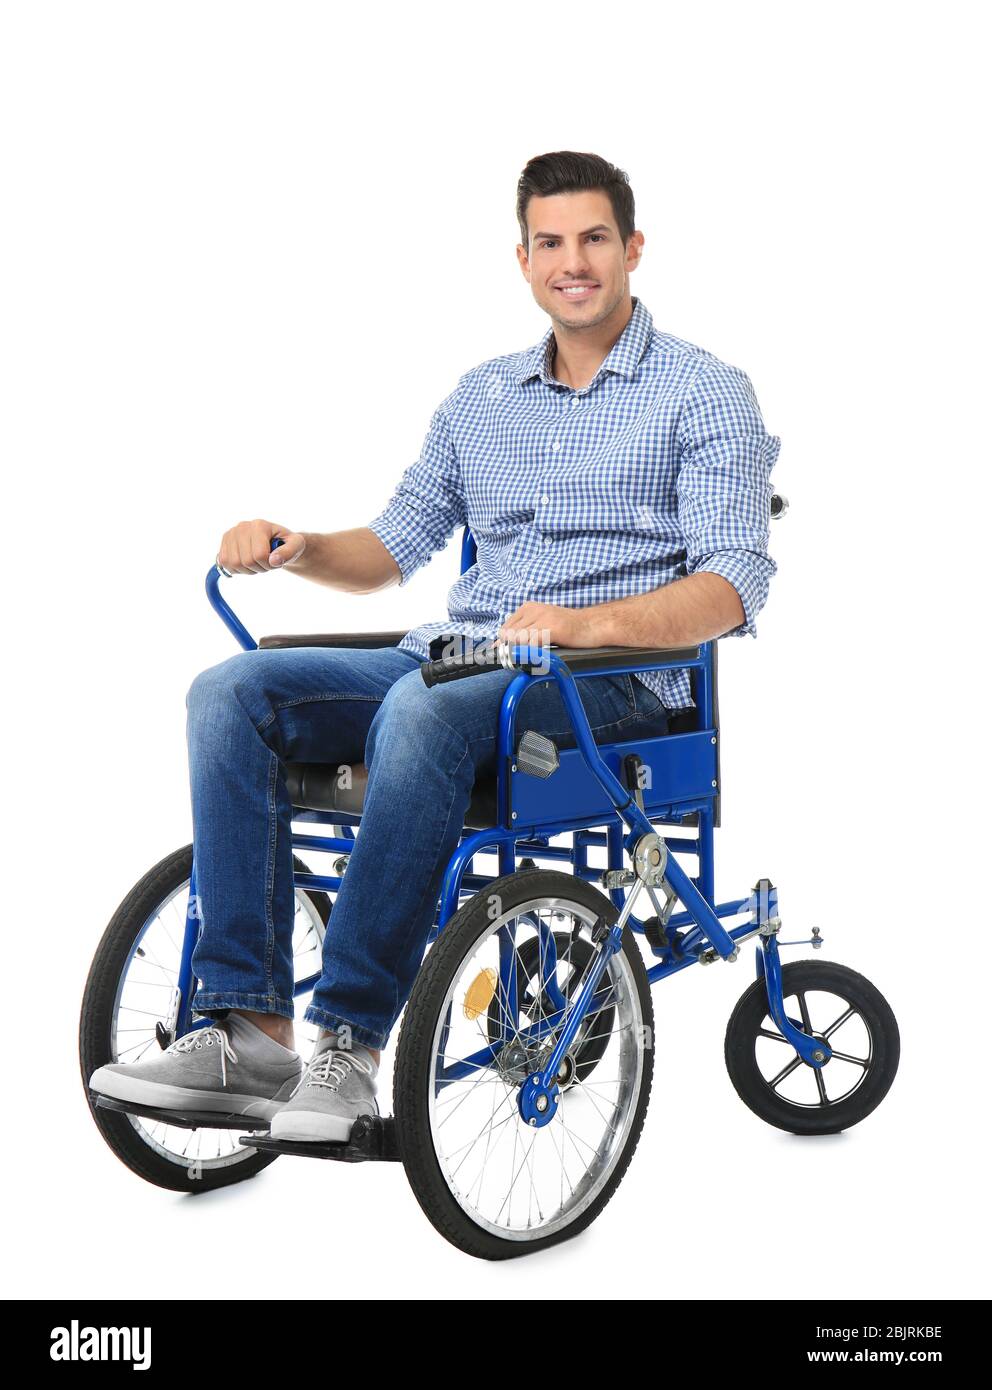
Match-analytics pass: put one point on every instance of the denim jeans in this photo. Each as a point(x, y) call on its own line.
point(424, 749)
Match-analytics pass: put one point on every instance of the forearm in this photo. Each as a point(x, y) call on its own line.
point(690, 610)
point(355, 560)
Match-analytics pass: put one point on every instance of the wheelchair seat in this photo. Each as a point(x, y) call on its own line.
point(321, 787)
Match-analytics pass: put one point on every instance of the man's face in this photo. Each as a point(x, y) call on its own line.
point(576, 264)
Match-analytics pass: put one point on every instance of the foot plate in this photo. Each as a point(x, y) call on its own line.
point(373, 1139)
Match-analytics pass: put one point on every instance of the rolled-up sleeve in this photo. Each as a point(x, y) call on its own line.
point(723, 488)
point(429, 502)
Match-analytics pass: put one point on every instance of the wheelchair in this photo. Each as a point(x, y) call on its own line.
point(524, 1059)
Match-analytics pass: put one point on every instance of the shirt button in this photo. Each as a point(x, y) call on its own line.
point(547, 540)
point(575, 400)
point(556, 445)
point(545, 498)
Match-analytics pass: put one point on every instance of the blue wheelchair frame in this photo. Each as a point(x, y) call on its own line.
point(584, 792)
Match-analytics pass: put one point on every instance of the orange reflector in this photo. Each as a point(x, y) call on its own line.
point(479, 994)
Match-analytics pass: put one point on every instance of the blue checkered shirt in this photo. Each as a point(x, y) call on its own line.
point(655, 470)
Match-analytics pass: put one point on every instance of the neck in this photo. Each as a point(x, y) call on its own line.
point(580, 352)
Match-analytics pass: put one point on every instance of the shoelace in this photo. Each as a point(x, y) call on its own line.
point(330, 1068)
point(206, 1037)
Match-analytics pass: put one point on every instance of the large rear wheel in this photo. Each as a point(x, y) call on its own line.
point(493, 1183)
point(128, 1004)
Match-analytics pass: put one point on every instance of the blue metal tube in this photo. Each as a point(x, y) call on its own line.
point(323, 844)
point(705, 878)
point(191, 935)
point(700, 910)
point(802, 1042)
point(226, 614)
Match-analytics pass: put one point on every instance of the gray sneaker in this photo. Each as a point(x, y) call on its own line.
point(232, 1067)
point(337, 1087)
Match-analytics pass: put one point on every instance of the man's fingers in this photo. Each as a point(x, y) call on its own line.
point(247, 547)
point(293, 546)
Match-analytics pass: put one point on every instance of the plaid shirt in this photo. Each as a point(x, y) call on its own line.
point(655, 470)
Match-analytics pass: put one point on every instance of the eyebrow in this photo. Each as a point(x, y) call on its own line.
point(602, 227)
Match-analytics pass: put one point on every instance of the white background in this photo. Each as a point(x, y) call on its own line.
point(246, 250)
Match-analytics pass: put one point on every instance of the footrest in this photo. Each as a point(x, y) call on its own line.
point(182, 1119)
point(373, 1140)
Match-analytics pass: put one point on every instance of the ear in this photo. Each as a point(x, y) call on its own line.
point(635, 246)
point(523, 262)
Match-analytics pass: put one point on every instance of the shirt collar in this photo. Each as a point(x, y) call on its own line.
point(623, 358)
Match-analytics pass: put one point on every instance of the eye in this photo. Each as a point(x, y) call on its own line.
point(597, 236)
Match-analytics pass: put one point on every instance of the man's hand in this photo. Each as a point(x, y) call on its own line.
point(693, 609)
point(247, 547)
point(543, 623)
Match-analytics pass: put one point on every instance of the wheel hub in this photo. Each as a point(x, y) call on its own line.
point(537, 1104)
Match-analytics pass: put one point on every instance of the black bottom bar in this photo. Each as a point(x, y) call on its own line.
point(182, 1119)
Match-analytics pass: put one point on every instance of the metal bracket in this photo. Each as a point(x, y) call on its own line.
point(617, 878)
point(649, 858)
point(671, 898)
point(708, 957)
point(816, 940)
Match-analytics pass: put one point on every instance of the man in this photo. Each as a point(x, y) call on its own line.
point(616, 481)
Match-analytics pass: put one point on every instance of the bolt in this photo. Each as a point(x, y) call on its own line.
point(542, 1104)
point(557, 1099)
point(713, 783)
point(713, 740)
point(513, 767)
point(513, 814)
point(532, 1122)
point(818, 1056)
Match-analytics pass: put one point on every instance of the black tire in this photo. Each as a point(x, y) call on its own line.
point(414, 1072)
point(96, 1023)
point(858, 1088)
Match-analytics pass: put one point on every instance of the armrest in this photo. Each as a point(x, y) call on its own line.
point(622, 658)
point(334, 639)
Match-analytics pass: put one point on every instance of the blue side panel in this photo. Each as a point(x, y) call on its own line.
point(679, 768)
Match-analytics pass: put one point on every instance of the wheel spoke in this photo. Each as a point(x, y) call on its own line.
point(843, 1019)
point(846, 1057)
point(787, 1070)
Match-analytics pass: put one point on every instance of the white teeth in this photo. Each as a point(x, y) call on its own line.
point(575, 289)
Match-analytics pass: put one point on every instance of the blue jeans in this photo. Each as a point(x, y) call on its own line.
point(424, 749)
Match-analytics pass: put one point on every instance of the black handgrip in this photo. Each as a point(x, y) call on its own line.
point(455, 668)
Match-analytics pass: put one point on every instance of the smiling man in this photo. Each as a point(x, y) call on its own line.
point(616, 479)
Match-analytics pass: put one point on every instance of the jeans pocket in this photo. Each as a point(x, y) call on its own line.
point(644, 702)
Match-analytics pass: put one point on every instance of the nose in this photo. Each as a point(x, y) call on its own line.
point(575, 261)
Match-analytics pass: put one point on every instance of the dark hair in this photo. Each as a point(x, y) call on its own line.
point(568, 172)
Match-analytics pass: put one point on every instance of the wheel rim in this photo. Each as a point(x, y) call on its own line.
point(517, 1182)
point(145, 994)
point(829, 1017)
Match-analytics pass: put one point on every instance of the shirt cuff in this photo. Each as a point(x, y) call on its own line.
point(747, 572)
point(404, 551)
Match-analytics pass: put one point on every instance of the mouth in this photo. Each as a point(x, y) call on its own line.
point(577, 292)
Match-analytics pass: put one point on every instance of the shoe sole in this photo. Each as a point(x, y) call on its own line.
point(119, 1086)
point(310, 1127)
